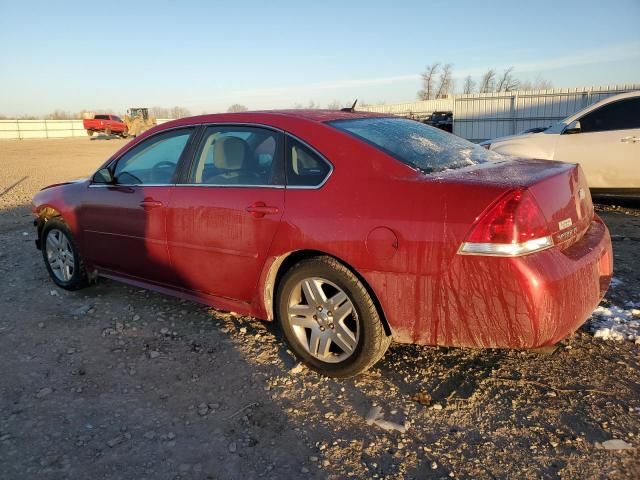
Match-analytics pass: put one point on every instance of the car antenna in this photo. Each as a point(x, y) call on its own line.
point(351, 109)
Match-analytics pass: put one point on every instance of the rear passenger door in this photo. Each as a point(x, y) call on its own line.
point(223, 216)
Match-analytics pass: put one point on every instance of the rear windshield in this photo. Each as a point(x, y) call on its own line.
point(426, 149)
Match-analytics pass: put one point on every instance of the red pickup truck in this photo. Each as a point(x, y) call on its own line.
point(107, 124)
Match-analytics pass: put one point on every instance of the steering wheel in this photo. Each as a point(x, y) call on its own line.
point(155, 170)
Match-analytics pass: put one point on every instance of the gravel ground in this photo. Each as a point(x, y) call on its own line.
point(118, 382)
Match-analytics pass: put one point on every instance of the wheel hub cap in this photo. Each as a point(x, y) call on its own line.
point(323, 320)
point(59, 255)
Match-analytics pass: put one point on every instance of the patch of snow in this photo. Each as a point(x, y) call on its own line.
point(615, 323)
point(615, 444)
point(615, 282)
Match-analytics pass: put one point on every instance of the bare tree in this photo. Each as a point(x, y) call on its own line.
point(335, 105)
point(469, 85)
point(237, 107)
point(538, 84)
point(60, 115)
point(488, 81)
point(179, 112)
point(445, 83)
point(507, 82)
point(428, 81)
point(159, 112)
point(163, 112)
point(543, 84)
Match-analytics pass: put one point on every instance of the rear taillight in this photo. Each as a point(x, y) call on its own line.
point(512, 226)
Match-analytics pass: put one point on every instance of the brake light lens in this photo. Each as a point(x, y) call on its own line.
point(513, 226)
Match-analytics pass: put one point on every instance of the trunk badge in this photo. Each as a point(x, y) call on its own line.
point(566, 223)
point(581, 194)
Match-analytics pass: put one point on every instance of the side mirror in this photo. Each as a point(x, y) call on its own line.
point(573, 127)
point(103, 176)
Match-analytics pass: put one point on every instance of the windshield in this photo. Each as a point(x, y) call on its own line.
point(424, 148)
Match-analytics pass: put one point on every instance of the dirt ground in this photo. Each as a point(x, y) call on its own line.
point(118, 382)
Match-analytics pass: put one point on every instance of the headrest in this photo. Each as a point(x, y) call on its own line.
point(301, 160)
point(229, 153)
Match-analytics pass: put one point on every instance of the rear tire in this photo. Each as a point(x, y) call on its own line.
point(90, 133)
point(329, 319)
point(61, 256)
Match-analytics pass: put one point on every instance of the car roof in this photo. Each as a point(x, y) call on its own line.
point(313, 115)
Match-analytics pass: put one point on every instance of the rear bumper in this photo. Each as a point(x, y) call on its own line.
point(524, 302)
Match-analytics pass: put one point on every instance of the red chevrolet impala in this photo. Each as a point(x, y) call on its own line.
point(350, 229)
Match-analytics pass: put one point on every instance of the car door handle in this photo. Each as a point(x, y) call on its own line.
point(149, 203)
point(260, 209)
point(630, 139)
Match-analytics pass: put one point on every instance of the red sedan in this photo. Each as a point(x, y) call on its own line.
point(350, 229)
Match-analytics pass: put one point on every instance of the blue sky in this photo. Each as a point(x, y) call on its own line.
point(208, 55)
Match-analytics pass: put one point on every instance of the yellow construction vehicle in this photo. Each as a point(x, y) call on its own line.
point(138, 120)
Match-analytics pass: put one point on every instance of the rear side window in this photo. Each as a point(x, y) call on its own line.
point(238, 155)
point(424, 148)
point(305, 168)
point(101, 117)
point(620, 115)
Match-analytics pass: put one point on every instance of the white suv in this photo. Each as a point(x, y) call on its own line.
point(604, 138)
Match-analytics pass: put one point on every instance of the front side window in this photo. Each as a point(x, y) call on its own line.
point(154, 161)
point(620, 115)
point(424, 148)
point(305, 168)
point(239, 156)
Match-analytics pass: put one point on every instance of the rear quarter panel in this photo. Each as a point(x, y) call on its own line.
point(399, 230)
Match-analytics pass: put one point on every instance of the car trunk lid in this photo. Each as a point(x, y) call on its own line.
point(559, 189)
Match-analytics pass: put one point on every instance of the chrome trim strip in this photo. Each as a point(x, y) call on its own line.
point(506, 249)
point(211, 185)
point(116, 185)
point(243, 124)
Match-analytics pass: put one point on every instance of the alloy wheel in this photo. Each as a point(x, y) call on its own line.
point(323, 319)
point(60, 255)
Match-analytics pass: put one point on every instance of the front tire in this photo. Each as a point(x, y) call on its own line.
point(61, 256)
point(329, 319)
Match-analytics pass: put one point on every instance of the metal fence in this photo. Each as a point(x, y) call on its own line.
point(19, 129)
point(482, 116)
point(417, 109)
point(23, 129)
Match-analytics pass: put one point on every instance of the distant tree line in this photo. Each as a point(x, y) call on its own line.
point(437, 82)
point(173, 112)
point(157, 112)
